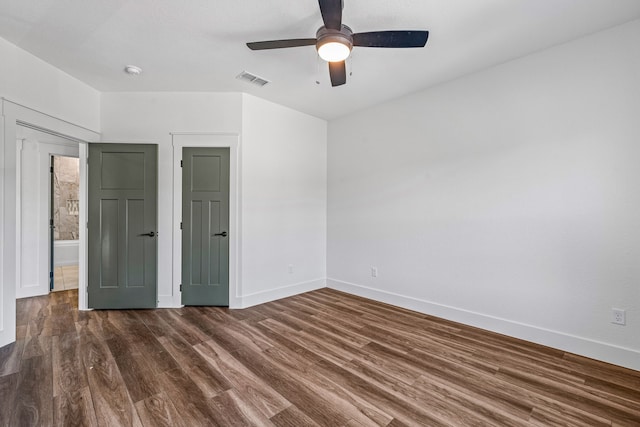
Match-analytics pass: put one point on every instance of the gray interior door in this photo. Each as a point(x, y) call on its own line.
point(122, 225)
point(205, 226)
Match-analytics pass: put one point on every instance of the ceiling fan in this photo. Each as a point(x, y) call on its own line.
point(334, 40)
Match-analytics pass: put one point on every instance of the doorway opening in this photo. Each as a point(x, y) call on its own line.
point(64, 223)
point(49, 183)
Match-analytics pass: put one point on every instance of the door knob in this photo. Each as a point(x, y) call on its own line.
point(223, 234)
point(150, 234)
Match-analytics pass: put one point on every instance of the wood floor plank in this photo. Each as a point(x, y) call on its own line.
point(208, 379)
point(284, 344)
point(111, 401)
point(142, 340)
point(253, 389)
point(614, 390)
point(388, 402)
point(11, 357)
point(229, 409)
point(159, 411)
point(140, 381)
point(340, 338)
point(367, 412)
point(38, 345)
point(323, 358)
point(153, 321)
point(573, 396)
point(21, 331)
point(188, 399)
point(8, 390)
point(603, 371)
point(33, 402)
point(545, 417)
point(324, 350)
point(74, 408)
point(188, 331)
point(24, 311)
point(302, 394)
point(293, 417)
point(68, 371)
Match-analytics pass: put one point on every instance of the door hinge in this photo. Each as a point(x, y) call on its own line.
point(180, 163)
point(180, 288)
point(51, 222)
point(181, 226)
point(51, 169)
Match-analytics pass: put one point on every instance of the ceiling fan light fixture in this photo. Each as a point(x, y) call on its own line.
point(334, 51)
point(334, 40)
point(334, 45)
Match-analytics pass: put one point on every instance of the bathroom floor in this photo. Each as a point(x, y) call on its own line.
point(65, 277)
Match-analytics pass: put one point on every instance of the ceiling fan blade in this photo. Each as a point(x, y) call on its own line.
point(331, 11)
point(279, 44)
point(391, 39)
point(338, 73)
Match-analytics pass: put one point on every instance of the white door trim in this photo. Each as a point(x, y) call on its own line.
point(232, 141)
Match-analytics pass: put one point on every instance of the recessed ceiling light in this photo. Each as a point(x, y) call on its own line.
point(133, 70)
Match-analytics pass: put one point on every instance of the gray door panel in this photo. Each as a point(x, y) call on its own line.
point(205, 213)
point(122, 212)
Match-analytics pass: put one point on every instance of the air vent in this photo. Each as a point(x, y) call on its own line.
point(252, 78)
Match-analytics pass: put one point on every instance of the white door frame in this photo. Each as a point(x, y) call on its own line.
point(224, 140)
point(11, 115)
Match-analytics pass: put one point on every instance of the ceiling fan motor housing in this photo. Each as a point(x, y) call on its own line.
point(342, 36)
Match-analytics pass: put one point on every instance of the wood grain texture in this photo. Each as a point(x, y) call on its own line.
point(158, 410)
point(74, 408)
point(8, 389)
point(323, 358)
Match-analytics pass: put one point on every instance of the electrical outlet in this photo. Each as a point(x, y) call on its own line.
point(618, 316)
point(374, 271)
point(290, 268)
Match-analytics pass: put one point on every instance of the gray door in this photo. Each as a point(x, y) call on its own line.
point(205, 226)
point(122, 225)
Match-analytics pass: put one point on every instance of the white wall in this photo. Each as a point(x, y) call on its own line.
point(507, 199)
point(268, 134)
point(284, 196)
point(28, 81)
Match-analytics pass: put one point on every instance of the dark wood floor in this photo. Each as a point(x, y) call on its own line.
point(322, 358)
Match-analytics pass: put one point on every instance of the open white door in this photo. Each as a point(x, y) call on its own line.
point(7, 288)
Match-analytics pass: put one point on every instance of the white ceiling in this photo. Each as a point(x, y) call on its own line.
point(199, 45)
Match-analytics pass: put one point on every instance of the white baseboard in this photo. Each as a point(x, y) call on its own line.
point(250, 300)
point(605, 352)
point(283, 292)
point(167, 301)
